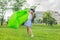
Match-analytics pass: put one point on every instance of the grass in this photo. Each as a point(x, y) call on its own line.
point(41, 32)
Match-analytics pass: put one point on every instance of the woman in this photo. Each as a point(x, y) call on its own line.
point(28, 23)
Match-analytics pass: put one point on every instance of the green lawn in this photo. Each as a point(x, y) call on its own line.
point(41, 32)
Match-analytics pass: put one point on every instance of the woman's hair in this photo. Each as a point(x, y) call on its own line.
point(32, 10)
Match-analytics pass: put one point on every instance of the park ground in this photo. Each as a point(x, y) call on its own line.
point(41, 32)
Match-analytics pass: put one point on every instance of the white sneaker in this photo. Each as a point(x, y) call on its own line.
point(32, 36)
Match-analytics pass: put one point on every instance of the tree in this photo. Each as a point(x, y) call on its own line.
point(18, 4)
point(48, 19)
point(33, 7)
point(3, 4)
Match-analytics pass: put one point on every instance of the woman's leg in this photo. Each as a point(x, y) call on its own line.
point(29, 31)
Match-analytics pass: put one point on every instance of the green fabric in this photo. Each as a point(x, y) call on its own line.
point(18, 18)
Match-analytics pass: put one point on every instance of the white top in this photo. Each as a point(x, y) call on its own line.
point(30, 17)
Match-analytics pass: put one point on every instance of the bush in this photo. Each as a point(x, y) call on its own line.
point(48, 19)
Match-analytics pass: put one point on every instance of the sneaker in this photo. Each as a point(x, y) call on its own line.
point(32, 36)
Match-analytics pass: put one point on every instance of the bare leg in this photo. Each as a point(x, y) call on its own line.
point(29, 31)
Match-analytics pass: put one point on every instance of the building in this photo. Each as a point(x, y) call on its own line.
point(56, 15)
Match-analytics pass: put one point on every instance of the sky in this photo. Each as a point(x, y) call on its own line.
point(45, 4)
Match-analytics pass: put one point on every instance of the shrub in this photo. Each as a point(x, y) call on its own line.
point(48, 19)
